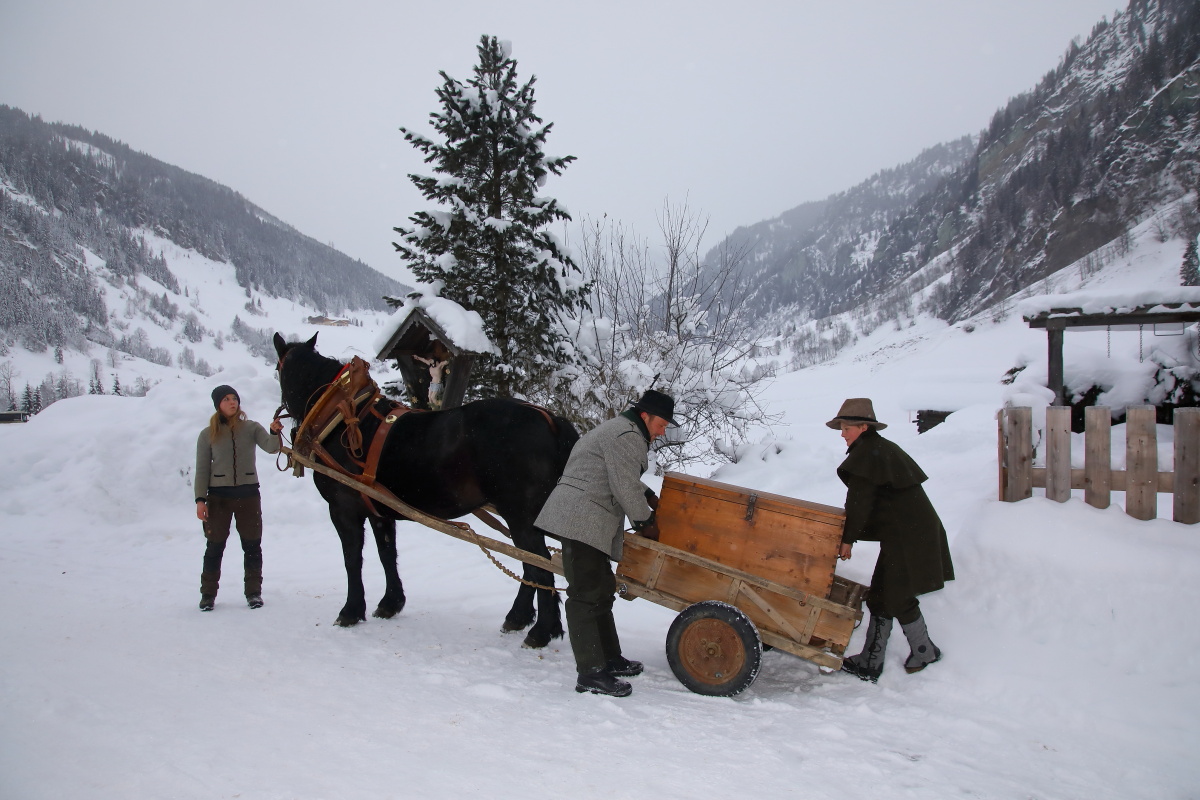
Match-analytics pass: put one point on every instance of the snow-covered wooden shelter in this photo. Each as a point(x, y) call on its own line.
point(1154, 310)
point(434, 342)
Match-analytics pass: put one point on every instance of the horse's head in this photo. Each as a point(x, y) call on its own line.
point(303, 372)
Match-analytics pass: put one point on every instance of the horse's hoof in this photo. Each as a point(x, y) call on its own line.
point(536, 640)
point(512, 627)
point(387, 612)
point(347, 622)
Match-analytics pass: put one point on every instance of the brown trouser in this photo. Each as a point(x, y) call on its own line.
point(246, 514)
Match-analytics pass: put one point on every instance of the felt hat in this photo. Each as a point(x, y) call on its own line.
point(658, 404)
point(856, 411)
point(223, 391)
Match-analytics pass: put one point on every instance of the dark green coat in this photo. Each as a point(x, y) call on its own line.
point(885, 503)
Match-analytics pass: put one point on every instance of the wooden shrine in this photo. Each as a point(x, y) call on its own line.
point(429, 360)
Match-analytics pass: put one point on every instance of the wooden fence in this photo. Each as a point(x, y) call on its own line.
point(1141, 480)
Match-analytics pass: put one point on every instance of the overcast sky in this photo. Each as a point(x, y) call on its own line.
point(745, 110)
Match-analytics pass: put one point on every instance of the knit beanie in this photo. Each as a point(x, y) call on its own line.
point(223, 391)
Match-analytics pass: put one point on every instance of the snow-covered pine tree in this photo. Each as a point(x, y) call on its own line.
point(489, 248)
point(1189, 270)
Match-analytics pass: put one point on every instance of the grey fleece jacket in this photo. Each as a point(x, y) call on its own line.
point(229, 461)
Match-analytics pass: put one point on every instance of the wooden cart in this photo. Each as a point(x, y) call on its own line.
point(744, 569)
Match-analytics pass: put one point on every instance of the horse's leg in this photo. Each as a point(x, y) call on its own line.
point(521, 615)
point(385, 542)
point(549, 619)
point(349, 524)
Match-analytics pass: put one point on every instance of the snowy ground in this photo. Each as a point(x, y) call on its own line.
point(1069, 666)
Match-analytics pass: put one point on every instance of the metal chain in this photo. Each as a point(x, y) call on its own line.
point(514, 575)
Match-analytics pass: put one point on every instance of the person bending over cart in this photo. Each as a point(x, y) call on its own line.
point(600, 486)
point(885, 503)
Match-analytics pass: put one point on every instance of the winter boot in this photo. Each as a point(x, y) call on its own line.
point(622, 667)
point(254, 600)
point(868, 665)
point(209, 581)
point(207, 601)
point(924, 652)
point(600, 682)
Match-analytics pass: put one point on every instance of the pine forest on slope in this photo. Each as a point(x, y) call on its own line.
point(93, 192)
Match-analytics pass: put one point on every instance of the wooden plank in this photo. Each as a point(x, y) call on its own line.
point(636, 548)
point(818, 657)
point(1141, 463)
point(782, 539)
point(656, 570)
point(1058, 453)
point(767, 500)
point(780, 621)
point(1097, 456)
point(630, 590)
point(1000, 456)
point(1186, 507)
point(1018, 453)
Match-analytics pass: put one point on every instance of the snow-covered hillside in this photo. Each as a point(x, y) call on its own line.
point(158, 320)
point(1069, 648)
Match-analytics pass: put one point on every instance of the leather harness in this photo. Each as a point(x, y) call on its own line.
point(350, 400)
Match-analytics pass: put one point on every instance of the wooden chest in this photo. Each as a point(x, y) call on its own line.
point(782, 539)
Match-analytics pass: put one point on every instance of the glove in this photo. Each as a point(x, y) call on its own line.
point(652, 499)
point(647, 528)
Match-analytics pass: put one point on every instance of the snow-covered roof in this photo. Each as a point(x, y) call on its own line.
point(463, 328)
point(1093, 304)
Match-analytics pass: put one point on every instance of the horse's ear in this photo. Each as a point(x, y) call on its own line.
point(280, 344)
point(313, 341)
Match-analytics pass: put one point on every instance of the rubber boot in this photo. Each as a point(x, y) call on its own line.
point(868, 665)
point(924, 651)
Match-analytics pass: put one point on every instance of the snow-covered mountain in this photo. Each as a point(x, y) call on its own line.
point(1106, 139)
point(119, 270)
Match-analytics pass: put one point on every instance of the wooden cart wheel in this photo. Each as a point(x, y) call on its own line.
point(714, 649)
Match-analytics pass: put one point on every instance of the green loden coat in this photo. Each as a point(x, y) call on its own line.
point(885, 503)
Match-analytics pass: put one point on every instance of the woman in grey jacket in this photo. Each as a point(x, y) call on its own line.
point(227, 491)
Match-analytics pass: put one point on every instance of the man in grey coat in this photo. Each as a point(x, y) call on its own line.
point(600, 486)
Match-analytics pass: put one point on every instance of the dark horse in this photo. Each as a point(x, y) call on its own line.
point(447, 464)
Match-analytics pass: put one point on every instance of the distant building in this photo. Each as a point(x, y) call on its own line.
point(323, 320)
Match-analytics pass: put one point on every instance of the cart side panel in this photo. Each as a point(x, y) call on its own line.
point(778, 538)
point(800, 622)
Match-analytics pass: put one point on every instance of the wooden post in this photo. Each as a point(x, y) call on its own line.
point(1054, 342)
point(1058, 453)
point(1141, 463)
point(1097, 456)
point(1187, 466)
point(1018, 453)
point(1001, 453)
